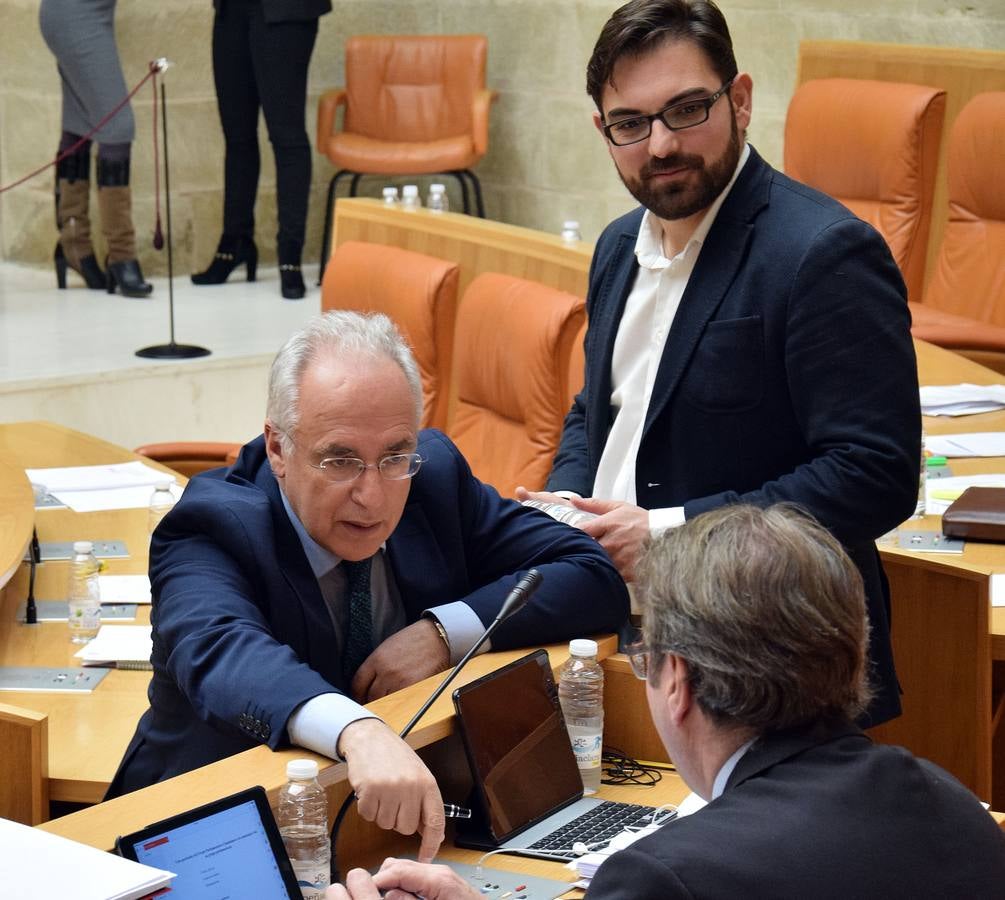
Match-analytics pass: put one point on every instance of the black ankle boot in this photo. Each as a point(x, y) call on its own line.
point(291, 279)
point(88, 269)
point(127, 278)
point(231, 252)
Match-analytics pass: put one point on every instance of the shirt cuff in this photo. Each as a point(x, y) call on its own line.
point(667, 517)
point(317, 723)
point(463, 628)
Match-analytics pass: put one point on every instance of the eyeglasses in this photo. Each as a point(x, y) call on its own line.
point(395, 467)
point(638, 656)
point(676, 117)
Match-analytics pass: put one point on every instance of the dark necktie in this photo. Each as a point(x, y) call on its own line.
point(359, 639)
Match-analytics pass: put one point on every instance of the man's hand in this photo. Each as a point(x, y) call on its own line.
point(407, 656)
point(402, 878)
point(544, 496)
point(392, 785)
point(621, 529)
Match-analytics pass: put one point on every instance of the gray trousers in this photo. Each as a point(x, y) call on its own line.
point(81, 35)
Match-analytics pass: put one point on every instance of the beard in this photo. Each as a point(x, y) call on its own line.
point(681, 200)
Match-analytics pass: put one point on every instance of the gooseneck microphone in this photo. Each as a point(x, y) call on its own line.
point(34, 558)
point(515, 600)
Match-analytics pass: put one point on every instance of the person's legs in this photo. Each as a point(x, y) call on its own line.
point(281, 54)
point(73, 190)
point(115, 202)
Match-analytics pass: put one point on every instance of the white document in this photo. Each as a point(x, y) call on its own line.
point(941, 492)
point(92, 488)
point(958, 446)
point(961, 399)
point(36, 865)
point(997, 590)
point(124, 588)
point(124, 646)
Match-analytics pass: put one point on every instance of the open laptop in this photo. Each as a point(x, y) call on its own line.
point(528, 793)
point(228, 848)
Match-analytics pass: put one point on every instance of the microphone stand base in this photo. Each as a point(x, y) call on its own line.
point(173, 351)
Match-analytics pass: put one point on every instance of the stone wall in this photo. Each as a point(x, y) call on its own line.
point(545, 162)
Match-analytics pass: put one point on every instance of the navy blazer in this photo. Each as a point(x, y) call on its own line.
point(241, 633)
point(788, 375)
point(820, 812)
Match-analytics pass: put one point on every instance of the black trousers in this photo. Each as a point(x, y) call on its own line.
point(257, 65)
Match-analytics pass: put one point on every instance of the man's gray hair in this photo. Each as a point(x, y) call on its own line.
point(766, 609)
point(334, 333)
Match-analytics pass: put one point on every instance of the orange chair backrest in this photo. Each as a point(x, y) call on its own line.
point(969, 276)
point(577, 363)
point(189, 458)
point(413, 87)
point(511, 371)
point(417, 292)
point(874, 146)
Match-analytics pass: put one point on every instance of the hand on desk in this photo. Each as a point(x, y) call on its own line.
point(407, 656)
point(402, 878)
point(393, 787)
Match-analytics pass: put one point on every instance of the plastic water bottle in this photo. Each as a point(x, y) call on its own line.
point(562, 513)
point(919, 509)
point(84, 594)
point(581, 692)
point(571, 232)
point(390, 196)
point(410, 197)
point(161, 502)
point(437, 200)
point(303, 822)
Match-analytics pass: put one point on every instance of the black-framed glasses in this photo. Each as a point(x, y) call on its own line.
point(676, 117)
point(393, 467)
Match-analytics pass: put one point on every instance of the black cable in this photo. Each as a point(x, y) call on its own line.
point(620, 768)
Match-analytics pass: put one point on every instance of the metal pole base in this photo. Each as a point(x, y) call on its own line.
point(173, 351)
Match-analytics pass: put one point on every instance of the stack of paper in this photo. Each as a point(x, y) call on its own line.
point(124, 588)
point(90, 488)
point(36, 865)
point(961, 399)
point(120, 646)
point(941, 492)
point(959, 446)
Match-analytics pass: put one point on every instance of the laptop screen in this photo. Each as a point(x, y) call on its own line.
point(517, 744)
point(227, 849)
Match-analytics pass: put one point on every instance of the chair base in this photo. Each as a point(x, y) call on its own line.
point(459, 174)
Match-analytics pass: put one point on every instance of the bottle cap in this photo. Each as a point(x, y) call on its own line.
point(410, 190)
point(570, 225)
point(583, 647)
point(83, 546)
point(390, 191)
point(164, 484)
point(437, 188)
point(301, 769)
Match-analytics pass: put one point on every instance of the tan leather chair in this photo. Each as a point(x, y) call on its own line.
point(874, 146)
point(511, 370)
point(189, 458)
point(24, 787)
point(418, 292)
point(964, 304)
point(414, 105)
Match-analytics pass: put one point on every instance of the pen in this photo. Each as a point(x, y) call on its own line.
point(453, 811)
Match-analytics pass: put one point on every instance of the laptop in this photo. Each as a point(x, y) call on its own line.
point(227, 848)
point(528, 794)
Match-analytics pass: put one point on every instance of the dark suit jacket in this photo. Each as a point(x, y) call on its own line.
point(820, 812)
point(788, 375)
point(242, 636)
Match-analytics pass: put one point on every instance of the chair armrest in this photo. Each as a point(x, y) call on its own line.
point(327, 107)
point(480, 120)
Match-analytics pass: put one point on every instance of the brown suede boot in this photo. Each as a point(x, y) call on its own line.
point(115, 202)
point(74, 250)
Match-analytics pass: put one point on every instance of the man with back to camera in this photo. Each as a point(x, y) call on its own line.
point(749, 337)
point(345, 555)
point(754, 657)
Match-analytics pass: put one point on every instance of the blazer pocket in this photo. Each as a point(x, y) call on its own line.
point(726, 370)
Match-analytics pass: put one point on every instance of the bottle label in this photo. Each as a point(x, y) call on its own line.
point(312, 878)
point(587, 744)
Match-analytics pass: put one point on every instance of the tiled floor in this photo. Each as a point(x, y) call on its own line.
point(47, 333)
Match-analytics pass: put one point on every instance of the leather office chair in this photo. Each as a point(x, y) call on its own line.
point(874, 146)
point(24, 787)
point(417, 292)
point(414, 105)
point(511, 368)
point(964, 304)
point(189, 458)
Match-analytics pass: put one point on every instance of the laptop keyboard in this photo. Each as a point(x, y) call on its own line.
point(596, 827)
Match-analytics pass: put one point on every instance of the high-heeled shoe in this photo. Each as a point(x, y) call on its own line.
point(231, 252)
point(127, 277)
point(291, 279)
point(88, 269)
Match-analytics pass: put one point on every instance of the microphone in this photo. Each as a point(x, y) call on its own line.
point(34, 558)
point(515, 600)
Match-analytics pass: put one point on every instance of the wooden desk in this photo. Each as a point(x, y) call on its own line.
point(17, 516)
point(87, 733)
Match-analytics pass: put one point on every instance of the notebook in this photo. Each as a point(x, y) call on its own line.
point(228, 848)
point(528, 794)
